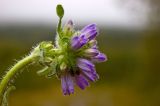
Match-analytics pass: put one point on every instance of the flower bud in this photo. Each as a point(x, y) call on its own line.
point(92, 43)
point(91, 52)
point(60, 11)
point(68, 28)
point(69, 25)
point(99, 58)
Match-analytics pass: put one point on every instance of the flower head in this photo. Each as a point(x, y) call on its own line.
point(79, 55)
point(73, 57)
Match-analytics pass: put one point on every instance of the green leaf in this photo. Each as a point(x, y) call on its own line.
point(60, 11)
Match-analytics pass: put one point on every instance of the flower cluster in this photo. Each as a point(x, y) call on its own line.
point(83, 53)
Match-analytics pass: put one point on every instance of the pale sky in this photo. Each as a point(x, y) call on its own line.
point(128, 13)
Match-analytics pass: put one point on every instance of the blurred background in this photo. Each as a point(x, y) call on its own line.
point(129, 35)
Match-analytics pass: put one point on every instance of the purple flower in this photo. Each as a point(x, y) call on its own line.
point(99, 58)
point(85, 53)
point(78, 41)
point(67, 84)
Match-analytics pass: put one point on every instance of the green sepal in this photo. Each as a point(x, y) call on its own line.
point(48, 70)
point(46, 45)
point(63, 66)
point(53, 70)
point(43, 71)
point(47, 53)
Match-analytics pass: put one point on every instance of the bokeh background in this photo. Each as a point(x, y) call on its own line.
point(129, 35)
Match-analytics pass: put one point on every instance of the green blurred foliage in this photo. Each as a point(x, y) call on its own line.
point(130, 77)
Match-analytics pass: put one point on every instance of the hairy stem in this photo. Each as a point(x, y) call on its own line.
point(59, 27)
point(17, 67)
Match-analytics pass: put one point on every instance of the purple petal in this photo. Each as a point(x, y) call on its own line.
point(92, 76)
point(85, 64)
point(99, 58)
point(92, 34)
point(83, 40)
point(70, 84)
point(64, 85)
point(85, 61)
point(75, 42)
point(78, 41)
point(90, 31)
point(81, 81)
point(94, 47)
point(67, 84)
point(88, 28)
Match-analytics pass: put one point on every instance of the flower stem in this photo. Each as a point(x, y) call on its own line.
point(59, 27)
point(17, 67)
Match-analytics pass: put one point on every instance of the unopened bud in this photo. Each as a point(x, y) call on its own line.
point(92, 43)
point(91, 52)
point(43, 71)
point(60, 11)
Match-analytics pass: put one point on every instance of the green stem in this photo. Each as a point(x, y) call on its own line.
point(59, 27)
point(17, 67)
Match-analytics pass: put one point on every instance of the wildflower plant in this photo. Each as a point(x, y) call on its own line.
point(71, 58)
